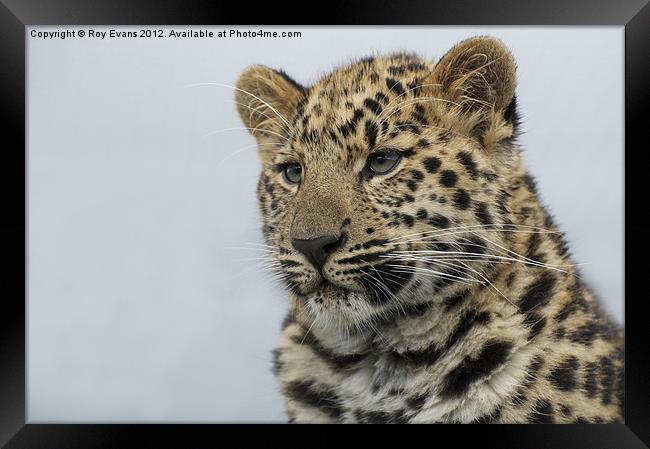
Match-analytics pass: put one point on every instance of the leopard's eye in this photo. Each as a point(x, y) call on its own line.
point(292, 173)
point(383, 162)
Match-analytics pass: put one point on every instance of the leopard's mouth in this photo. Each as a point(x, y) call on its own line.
point(331, 292)
point(379, 287)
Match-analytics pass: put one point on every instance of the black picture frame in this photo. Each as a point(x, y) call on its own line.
point(15, 15)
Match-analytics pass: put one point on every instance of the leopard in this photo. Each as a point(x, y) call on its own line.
point(427, 280)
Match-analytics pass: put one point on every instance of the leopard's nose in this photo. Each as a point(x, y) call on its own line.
point(319, 249)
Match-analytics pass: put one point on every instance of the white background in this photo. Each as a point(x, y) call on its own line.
point(143, 303)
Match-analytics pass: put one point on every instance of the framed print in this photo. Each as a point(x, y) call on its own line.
point(382, 215)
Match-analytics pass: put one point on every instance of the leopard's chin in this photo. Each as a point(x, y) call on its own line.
point(335, 308)
point(328, 291)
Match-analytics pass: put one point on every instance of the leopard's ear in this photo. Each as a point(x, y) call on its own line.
point(266, 101)
point(477, 76)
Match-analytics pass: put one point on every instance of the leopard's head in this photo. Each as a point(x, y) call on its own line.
point(383, 183)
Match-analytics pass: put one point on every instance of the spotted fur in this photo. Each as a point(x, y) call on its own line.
point(453, 297)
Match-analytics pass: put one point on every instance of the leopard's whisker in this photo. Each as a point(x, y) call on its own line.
point(257, 259)
point(494, 227)
point(258, 111)
point(471, 232)
point(244, 128)
point(241, 150)
point(474, 256)
point(308, 330)
point(520, 255)
point(384, 288)
point(490, 283)
point(407, 269)
point(280, 116)
point(259, 244)
point(245, 248)
point(491, 259)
